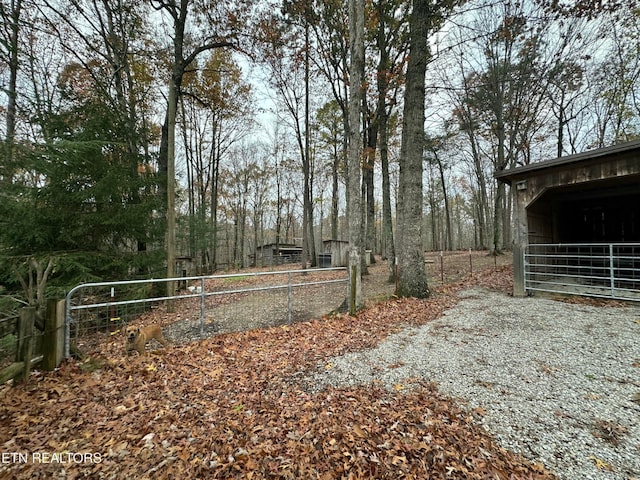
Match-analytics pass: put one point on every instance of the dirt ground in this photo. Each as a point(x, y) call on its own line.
point(235, 405)
point(259, 309)
point(231, 308)
point(448, 268)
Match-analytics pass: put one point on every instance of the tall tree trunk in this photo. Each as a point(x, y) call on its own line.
point(412, 277)
point(354, 203)
point(483, 203)
point(435, 213)
point(447, 209)
point(367, 178)
point(500, 164)
point(13, 19)
point(387, 221)
point(467, 122)
point(334, 194)
point(499, 201)
point(383, 137)
point(191, 188)
point(306, 198)
point(178, 11)
point(279, 206)
point(171, 190)
point(561, 124)
point(214, 214)
point(174, 86)
point(243, 228)
point(308, 180)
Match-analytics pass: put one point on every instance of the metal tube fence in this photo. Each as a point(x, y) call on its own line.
point(280, 296)
point(452, 266)
point(608, 270)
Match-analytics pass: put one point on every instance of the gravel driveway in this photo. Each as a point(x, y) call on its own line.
point(558, 383)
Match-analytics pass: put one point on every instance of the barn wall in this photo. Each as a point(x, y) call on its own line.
point(543, 211)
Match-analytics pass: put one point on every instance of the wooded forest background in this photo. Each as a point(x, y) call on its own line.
point(137, 131)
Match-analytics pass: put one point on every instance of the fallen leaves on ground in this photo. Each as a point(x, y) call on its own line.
point(240, 406)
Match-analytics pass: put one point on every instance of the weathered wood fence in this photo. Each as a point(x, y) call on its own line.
point(38, 341)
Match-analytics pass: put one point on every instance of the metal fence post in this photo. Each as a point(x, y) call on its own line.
point(67, 326)
point(202, 307)
point(523, 255)
point(611, 271)
point(288, 297)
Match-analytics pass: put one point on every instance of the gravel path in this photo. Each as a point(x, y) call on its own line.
point(558, 383)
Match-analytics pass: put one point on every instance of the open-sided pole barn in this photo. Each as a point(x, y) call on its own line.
point(577, 223)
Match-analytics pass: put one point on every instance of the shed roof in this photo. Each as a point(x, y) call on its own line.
point(280, 245)
point(507, 176)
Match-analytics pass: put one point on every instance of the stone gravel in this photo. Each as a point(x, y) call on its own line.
point(558, 383)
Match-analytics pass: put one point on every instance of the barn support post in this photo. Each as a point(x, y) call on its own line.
point(520, 238)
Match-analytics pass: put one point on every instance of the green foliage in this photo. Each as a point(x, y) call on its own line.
point(78, 197)
point(73, 268)
point(8, 343)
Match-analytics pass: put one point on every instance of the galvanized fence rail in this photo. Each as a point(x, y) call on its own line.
point(608, 270)
point(107, 306)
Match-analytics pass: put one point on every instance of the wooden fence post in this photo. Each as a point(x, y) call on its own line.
point(53, 341)
point(25, 340)
point(352, 290)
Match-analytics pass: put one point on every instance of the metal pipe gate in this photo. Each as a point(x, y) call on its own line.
point(99, 298)
point(608, 270)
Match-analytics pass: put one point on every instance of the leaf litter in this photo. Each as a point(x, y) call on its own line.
point(235, 406)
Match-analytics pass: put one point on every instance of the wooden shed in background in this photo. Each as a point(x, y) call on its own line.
point(577, 223)
point(272, 254)
point(339, 251)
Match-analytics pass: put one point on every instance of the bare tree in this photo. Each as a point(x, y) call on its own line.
point(217, 112)
point(354, 162)
point(35, 283)
point(180, 60)
point(391, 43)
point(329, 120)
point(285, 52)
